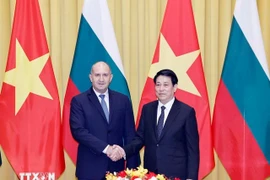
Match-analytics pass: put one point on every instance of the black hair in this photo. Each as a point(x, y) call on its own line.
point(168, 73)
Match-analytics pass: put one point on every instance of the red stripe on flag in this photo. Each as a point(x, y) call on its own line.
point(70, 145)
point(236, 147)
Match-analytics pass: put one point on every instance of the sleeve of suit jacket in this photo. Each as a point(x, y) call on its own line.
point(80, 133)
point(192, 138)
point(138, 142)
point(0, 159)
point(134, 160)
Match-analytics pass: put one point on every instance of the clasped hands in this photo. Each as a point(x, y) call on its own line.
point(115, 152)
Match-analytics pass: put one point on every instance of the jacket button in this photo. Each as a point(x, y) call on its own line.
point(157, 145)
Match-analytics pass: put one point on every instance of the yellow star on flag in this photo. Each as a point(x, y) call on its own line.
point(25, 77)
point(179, 64)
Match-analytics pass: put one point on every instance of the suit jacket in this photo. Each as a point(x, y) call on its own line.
point(0, 159)
point(176, 152)
point(91, 130)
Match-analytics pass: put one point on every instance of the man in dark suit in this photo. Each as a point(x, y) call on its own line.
point(168, 130)
point(100, 118)
point(0, 159)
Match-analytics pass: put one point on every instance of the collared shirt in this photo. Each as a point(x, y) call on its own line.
point(106, 98)
point(168, 107)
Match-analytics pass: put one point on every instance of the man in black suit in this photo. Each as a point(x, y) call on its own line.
point(168, 130)
point(100, 118)
point(0, 159)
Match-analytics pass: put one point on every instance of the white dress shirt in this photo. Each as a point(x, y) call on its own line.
point(167, 109)
point(106, 99)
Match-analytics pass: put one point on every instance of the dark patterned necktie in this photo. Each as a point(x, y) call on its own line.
point(160, 121)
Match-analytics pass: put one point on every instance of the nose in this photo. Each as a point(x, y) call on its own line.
point(101, 78)
point(161, 88)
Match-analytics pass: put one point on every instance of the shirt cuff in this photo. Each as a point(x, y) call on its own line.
point(105, 150)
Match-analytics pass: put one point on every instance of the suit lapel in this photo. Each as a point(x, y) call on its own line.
point(111, 107)
point(153, 114)
point(171, 117)
point(94, 99)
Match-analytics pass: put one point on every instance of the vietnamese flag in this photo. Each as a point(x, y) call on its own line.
point(177, 49)
point(29, 103)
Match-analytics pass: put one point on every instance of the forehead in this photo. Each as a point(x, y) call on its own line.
point(163, 79)
point(101, 68)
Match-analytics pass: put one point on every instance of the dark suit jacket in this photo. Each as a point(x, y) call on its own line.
point(90, 129)
point(0, 159)
point(176, 153)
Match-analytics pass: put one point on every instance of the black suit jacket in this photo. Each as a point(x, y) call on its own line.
point(0, 159)
point(176, 152)
point(91, 130)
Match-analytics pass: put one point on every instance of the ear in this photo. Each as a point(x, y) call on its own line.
point(90, 77)
point(111, 77)
point(175, 87)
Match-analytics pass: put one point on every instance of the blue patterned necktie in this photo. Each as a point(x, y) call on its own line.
point(160, 121)
point(104, 106)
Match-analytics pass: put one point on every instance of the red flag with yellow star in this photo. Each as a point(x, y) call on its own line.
point(177, 49)
point(29, 103)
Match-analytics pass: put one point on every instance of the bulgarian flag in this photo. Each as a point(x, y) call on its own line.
point(241, 121)
point(177, 49)
point(96, 42)
point(30, 118)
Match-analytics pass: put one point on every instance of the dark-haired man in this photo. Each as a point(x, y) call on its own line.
point(0, 159)
point(168, 130)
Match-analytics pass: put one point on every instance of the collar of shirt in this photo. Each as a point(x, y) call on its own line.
point(106, 98)
point(168, 106)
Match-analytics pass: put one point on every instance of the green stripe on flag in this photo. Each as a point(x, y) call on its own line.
point(249, 86)
point(89, 50)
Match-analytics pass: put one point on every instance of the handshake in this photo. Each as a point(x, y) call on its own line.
point(115, 152)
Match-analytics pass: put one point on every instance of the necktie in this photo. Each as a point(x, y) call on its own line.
point(104, 106)
point(160, 121)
